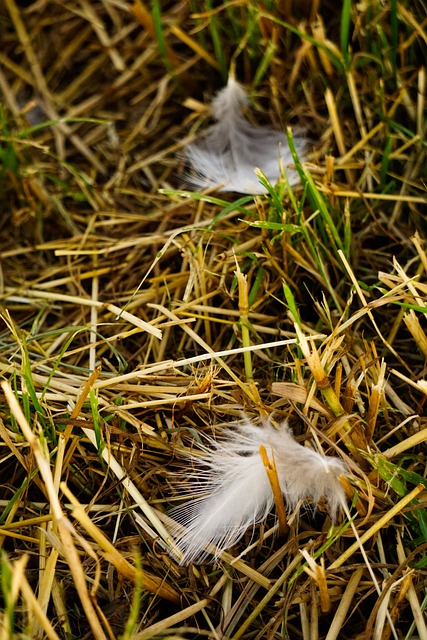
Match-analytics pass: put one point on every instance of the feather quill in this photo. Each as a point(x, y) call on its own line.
point(233, 492)
point(232, 147)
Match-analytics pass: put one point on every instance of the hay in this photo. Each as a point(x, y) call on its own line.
point(137, 316)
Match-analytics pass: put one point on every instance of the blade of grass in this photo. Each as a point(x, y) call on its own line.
point(345, 30)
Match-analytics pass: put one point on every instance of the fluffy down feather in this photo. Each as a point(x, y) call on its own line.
point(232, 147)
point(233, 491)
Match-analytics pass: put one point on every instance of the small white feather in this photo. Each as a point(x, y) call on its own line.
point(233, 492)
point(232, 148)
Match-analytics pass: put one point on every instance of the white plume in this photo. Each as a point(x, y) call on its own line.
point(232, 147)
point(233, 491)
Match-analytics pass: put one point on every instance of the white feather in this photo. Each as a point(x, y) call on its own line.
point(233, 491)
point(232, 148)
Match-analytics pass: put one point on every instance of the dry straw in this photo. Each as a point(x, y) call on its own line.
point(141, 320)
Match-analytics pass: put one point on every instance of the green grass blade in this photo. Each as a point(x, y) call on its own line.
point(97, 421)
point(290, 301)
point(156, 11)
point(394, 25)
point(345, 30)
point(217, 41)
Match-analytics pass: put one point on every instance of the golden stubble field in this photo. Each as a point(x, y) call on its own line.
point(142, 318)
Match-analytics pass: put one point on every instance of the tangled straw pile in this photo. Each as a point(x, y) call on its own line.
point(138, 317)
